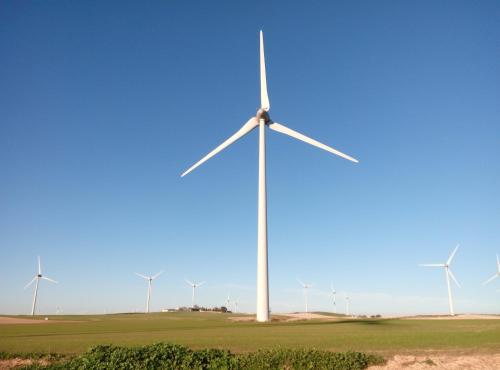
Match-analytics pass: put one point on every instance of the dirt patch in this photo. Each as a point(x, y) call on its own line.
point(14, 320)
point(17, 362)
point(287, 317)
point(449, 362)
point(456, 317)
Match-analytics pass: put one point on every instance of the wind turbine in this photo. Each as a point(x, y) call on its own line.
point(228, 302)
point(448, 274)
point(194, 286)
point(37, 279)
point(306, 287)
point(261, 120)
point(150, 280)
point(347, 311)
point(497, 273)
point(333, 292)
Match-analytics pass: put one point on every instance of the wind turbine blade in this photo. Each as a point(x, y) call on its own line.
point(453, 278)
point(141, 275)
point(301, 283)
point(245, 129)
point(49, 279)
point(486, 282)
point(31, 282)
point(432, 265)
point(297, 135)
point(39, 266)
point(264, 98)
point(498, 263)
point(452, 254)
point(200, 284)
point(158, 274)
point(189, 282)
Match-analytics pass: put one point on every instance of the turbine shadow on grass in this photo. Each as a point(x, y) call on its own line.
point(340, 322)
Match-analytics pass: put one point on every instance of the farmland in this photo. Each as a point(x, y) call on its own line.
point(75, 334)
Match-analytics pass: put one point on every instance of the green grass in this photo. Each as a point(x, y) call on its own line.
point(209, 330)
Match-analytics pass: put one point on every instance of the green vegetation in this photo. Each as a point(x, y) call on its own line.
point(75, 334)
point(172, 356)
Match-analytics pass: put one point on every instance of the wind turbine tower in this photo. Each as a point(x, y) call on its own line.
point(194, 286)
point(347, 310)
point(263, 120)
point(306, 287)
point(448, 275)
point(333, 292)
point(150, 280)
point(37, 278)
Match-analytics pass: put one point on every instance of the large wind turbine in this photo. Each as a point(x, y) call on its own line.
point(448, 274)
point(261, 120)
point(150, 280)
point(497, 273)
point(37, 279)
point(306, 287)
point(333, 292)
point(194, 286)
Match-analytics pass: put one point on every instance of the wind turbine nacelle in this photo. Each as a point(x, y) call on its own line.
point(262, 114)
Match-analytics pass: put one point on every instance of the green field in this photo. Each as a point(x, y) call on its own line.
point(74, 334)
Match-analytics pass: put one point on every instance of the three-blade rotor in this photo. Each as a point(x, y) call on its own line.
point(497, 274)
point(194, 285)
point(304, 285)
point(40, 276)
point(445, 265)
point(263, 115)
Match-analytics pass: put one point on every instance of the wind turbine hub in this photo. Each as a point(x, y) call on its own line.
point(39, 275)
point(262, 114)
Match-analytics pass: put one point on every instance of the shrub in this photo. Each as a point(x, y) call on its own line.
point(173, 356)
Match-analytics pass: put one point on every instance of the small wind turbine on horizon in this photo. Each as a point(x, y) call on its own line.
point(347, 308)
point(150, 280)
point(263, 120)
point(37, 279)
point(306, 287)
point(194, 286)
point(333, 292)
point(497, 274)
point(228, 302)
point(448, 274)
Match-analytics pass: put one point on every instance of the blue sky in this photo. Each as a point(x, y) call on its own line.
point(104, 104)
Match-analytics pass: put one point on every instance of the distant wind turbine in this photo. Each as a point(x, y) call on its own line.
point(261, 120)
point(448, 274)
point(194, 286)
point(496, 275)
point(347, 308)
point(150, 280)
point(306, 287)
point(37, 279)
point(333, 292)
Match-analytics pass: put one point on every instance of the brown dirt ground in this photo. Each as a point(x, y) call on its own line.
point(442, 361)
point(14, 320)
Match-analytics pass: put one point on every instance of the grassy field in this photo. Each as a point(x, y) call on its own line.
point(74, 334)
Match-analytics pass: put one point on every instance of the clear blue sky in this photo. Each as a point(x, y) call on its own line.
point(104, 104)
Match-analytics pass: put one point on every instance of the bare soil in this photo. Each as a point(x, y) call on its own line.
point(17, 362)
point(442, 361)
point(14, 320)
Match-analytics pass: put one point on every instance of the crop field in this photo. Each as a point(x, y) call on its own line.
point(75, 334)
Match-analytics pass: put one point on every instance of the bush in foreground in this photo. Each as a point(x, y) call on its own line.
point(173, 356)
